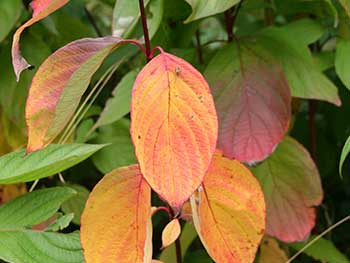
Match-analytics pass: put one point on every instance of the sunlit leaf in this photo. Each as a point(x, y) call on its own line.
point(114, 225)
point(270, 252)
point(171, 232)
point(229, 212)
point(342, 60)
point(204, 8)
point(10, 11)
point(18, 167)
point(41, 9)
point(344, 154)
point(253, 101)
point(292, 188)
point(173, 127)
point(58, 86)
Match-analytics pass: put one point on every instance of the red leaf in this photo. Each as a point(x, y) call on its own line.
point(292, 188)
point(116, 222)
point(252, 99)
point(229, 212)
point(173, 127)
point(41, 9)
point(58, 86)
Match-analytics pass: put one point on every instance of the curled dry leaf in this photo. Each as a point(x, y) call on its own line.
point(41, 9)
point(58, 86)
point(116, 223)
point(292, 189)
point(173, 127)
point(229, 212)
point(171, 232)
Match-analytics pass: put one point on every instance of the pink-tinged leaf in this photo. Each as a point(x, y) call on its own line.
point(41, 9)
point(252, 99)
point(58, 86)
point(116, 222)
point(173, 127)
point(292, 188)
point(229, 212)
point(171, 232)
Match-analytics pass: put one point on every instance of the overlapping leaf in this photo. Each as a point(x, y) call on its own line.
point(171, 232)
point(115, 223)
point(229, 212)
point(58, 86)
point(173, 127)
point(342, 60)
point(41, 9)
point(253, 101)
point(292, 188)
point(270, 252)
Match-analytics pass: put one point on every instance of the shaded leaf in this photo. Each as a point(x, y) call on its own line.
point(18, 167)
point(10, 191)
point(346, 5)
point(270, 252)
point(342, 60)
point(171, 232)
point(204, 8)
point(53, 97)
point(119, 203)
point(229, 211)
point(323, 250)
point(344, 154)
point(253, 101)
point(292, 188)
point(173, 127)
point(10, 11)
point(41, 9)
point(60, 223)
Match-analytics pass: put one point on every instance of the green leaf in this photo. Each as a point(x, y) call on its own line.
point(342, 61)
point(10, 11)
point(323, 250)
point(119, 105)
point(120, 152)
point(304, 77)
point(17, 167)
point(344, 154)
point(61, 223)
point(205, 8)
point(76, 204)
point(34, 246)
point(33, 208)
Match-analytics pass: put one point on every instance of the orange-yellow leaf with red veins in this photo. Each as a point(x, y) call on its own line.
point(41, 9)
point(229, 212)
point(171, 232)
point(115, 225)
point(173, 127)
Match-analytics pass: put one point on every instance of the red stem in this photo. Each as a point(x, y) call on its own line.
point(145, 30)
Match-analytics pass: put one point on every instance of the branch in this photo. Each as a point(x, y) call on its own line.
point(145, 30)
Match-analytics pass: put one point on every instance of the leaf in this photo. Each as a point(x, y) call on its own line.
point(33, 208)
point(323, 250)
point(204, 8)
point(17, 167)
point(127, 219)
point(252, 99)
point(342, 60)
point(119, 105)
point(229, 211)
point(41, 9)
point(292, 188)
point(61, 223)
point(76, 204)
point(10, 11)
point(173, 127)
point(53, 97)
point(304, 77)
point(270, 252)
point(10, 191)
point(171, 232)
point(120, 152)
point(35, 246)
point(346, 6)
point(344, 154)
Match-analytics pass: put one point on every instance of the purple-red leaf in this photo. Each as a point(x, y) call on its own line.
point(252, 99)
point(41, 9)
point(292, 188)
point(173, 127)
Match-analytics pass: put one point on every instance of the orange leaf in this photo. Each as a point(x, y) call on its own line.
point(229, 212)
point(171, 232)
point(174, 127)
point(270, 252)
point(41, 9)
point(116, 223)
point(58, 86)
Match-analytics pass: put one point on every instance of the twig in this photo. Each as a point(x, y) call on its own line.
point(145, 29)
point(93, 22)
point(199, 47)
point(269, 14)
point(230, 19)
point(313, 130)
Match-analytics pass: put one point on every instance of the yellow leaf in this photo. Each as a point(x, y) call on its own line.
point(171, 232)
point(270, 252)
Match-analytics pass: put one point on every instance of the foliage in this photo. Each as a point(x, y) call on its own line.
point(215, 130)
